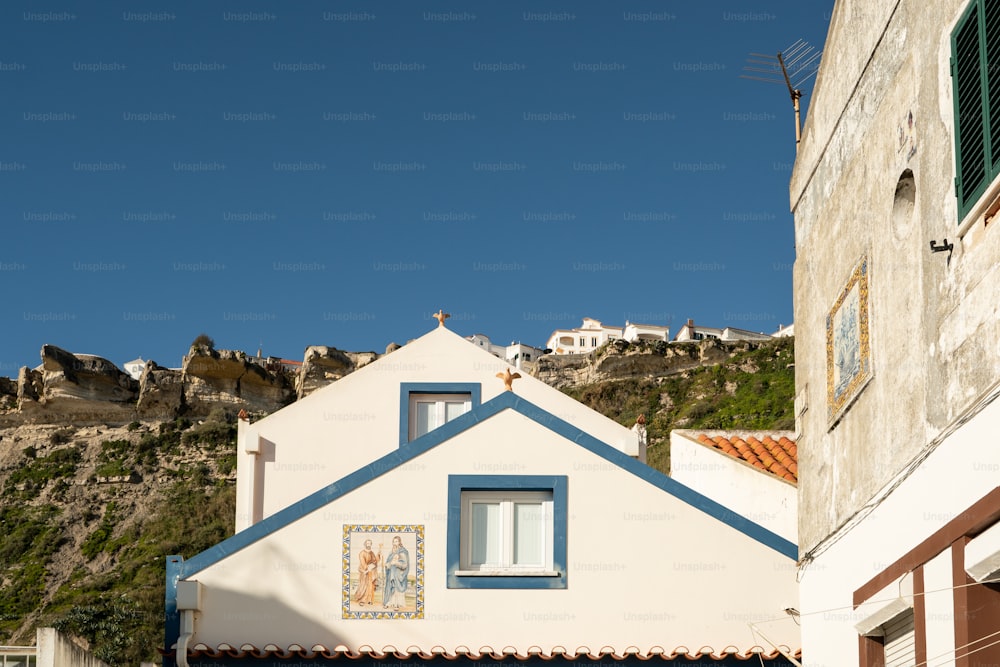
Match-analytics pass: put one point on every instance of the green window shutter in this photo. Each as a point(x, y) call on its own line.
point(991, 38)
point(970, 120)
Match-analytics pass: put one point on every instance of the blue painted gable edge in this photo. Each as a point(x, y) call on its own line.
point(506, 400)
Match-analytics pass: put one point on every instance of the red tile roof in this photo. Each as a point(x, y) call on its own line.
point(778, 457)
point(318, 652)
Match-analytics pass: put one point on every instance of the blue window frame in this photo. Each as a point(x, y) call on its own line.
point(409, 390)
point(464, 569)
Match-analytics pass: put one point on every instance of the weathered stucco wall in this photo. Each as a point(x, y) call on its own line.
point(934, 324)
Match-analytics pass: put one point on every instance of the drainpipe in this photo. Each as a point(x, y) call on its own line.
point(188, 602)
point(187, 631)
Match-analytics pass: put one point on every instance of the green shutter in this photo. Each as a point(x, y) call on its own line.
point(991, 37)
point(970, 125)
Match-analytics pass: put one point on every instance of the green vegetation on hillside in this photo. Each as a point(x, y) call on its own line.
point(754, 389)
point(114, 598)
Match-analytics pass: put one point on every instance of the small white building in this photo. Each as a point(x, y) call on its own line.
point(417, 510)
point(691, 331)
point(135, 367)
point(635, 332)
point(514, 354)
point(583, 340)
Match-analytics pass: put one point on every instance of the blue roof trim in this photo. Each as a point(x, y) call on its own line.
point(504, 401)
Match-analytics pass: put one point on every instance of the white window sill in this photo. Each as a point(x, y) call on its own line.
point(507, 573)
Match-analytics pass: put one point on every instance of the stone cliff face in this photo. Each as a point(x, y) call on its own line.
point(86, 389)
point(78, 387)
point(323, 365)
point(621, 360)
point(229, 379)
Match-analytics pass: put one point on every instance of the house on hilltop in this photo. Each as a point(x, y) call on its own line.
point(895, 192)
point(690, 331)
point(515, 354)
point(592, 334)
point(434, 506)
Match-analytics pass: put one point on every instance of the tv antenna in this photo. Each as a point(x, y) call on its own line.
point(793, 67)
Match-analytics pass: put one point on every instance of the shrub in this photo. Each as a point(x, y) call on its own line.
point(203, 340)
point(61, 437)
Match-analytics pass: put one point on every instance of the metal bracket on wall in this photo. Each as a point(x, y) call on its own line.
point(945, 246)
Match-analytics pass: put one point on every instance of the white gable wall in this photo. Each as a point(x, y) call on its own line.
point(354, 421)
point(754, 494)
point(644, 568)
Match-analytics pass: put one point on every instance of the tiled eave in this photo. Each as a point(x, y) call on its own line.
point(320, 653)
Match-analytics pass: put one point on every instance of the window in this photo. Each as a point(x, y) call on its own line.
point(426, 406)
point(507, 531)
point(429, 411)
point(583, 341)
point(593, 341)
point(975, 43)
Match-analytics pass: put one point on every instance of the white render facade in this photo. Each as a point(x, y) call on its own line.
point(515, 354)
point(647, 565)
point(897, 363)
point(588, 337)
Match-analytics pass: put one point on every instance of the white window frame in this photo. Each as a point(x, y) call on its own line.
point(507, 501)
point(440, 402)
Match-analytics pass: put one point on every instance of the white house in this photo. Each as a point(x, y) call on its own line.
point(135, 367)
point(418, 511)
point(515, 353)
point(895, 192)
point(690, 331)
point(635, 332)
point(588, 337)
point(592, 334)
point(754, 472)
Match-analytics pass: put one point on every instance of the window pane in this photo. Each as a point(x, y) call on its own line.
point(486, 530)
point(529, 534)
point(453, 409)
point(425, 418)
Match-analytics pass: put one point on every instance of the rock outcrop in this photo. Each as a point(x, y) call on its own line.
point(161, 392)
point(75, 387)
point(227, 378)
point(86, 389)
point(621, 360)
point(323, 365)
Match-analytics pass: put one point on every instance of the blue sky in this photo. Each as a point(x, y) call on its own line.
point(331, 172)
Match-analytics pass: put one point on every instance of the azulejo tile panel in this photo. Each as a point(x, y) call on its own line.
point(383, 571)
point(848, 344)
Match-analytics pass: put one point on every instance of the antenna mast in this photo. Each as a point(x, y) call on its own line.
point(795, 65)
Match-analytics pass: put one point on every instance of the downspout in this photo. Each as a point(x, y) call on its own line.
point(188, 602)
point(187, 631)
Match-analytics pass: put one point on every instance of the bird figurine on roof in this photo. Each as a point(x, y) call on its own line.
point(508, 378)
point(441, 316)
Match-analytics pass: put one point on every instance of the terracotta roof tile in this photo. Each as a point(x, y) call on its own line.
point(320, 653)
point(778, 457)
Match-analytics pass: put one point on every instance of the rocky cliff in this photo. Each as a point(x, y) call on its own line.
point(86, 389)
point(621, 360)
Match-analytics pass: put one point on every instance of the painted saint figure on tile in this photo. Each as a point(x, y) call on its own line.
point(397, 568)
point(369, 564)
point(383, 571)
